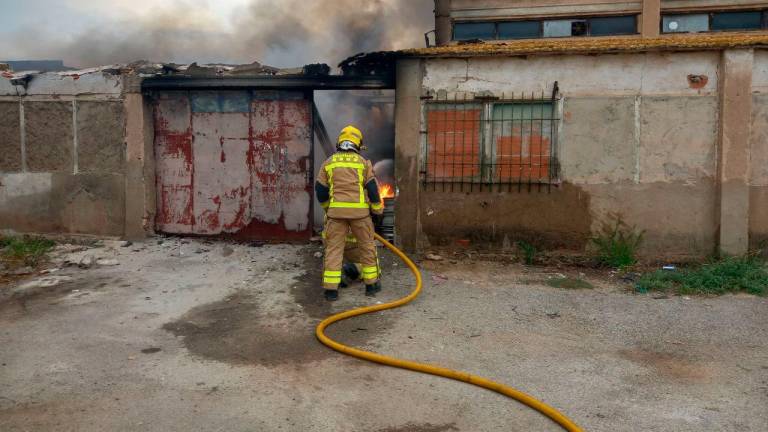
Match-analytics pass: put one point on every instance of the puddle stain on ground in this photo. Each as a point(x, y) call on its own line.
point(236, 330)
point(14, 305)
point(674, 366)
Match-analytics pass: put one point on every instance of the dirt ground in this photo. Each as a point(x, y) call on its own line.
point(190, 335)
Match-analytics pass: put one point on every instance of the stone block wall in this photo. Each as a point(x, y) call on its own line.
point(63, 154)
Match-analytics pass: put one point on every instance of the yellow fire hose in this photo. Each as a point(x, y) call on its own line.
point(523, 398)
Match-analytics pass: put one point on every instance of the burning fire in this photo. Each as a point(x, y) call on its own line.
point(386, 191)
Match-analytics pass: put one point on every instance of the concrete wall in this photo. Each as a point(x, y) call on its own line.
point(639, 136)
point(758, 142)
point(63, 163)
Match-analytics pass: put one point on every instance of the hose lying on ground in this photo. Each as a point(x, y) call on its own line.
point(548, 411)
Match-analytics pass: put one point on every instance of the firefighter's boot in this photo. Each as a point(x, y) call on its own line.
point(331, 295)
point(371, 290)
point(351, 272)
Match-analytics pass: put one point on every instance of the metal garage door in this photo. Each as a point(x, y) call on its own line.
point(234, 163)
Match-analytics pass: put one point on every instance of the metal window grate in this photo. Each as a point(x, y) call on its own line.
point(475, 143)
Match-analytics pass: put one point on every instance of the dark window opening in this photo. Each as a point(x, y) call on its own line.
point(519, 30)
point(469, 31)
point(737, 21)
point(506, 30)
point(604, 26)
point(579, 28)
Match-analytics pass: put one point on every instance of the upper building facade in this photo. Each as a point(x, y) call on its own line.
point(500, 20)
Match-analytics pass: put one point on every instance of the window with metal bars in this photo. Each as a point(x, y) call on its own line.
point(490, 144)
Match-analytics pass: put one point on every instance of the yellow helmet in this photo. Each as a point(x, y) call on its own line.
point(350, 135)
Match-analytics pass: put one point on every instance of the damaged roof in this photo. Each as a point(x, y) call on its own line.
point(594, 45)
point(147, 69)
point(108, 79)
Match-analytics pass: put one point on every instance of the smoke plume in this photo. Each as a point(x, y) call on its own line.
point(283, 33)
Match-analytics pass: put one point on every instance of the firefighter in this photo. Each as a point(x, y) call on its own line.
point(347, 190)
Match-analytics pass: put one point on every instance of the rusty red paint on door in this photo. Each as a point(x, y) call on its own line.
point(229, 163)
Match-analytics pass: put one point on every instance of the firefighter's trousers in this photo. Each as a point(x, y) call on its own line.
point(336, 231)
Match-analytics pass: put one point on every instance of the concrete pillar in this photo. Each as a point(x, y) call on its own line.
point(734, 152)
point(140, 166)
point(443, 27)
point(407, 149)
point(650, 20)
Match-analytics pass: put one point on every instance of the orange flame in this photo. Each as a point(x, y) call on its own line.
point(386, 191)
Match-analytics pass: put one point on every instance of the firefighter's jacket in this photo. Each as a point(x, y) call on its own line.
point(347, 188)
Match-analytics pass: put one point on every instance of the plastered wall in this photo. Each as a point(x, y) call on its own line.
point(758, 169)
point(638, 137)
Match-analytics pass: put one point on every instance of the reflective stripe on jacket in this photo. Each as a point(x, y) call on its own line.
point(346, 174)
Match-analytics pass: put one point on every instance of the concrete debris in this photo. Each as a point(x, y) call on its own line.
point(318, 254)
point(86, 262)
point(107, 262)
point(434, 257)
point(44, 282)
point(227, 251)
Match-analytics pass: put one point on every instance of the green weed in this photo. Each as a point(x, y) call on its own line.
point(26, 250)
point(617, 244)
point(737, 274)
point(529, 252)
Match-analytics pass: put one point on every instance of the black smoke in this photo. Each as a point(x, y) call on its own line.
point(282, 33)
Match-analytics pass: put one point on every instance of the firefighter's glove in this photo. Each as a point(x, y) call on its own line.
point(378, 222)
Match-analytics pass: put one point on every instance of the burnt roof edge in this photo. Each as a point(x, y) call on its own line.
point(328, 82)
